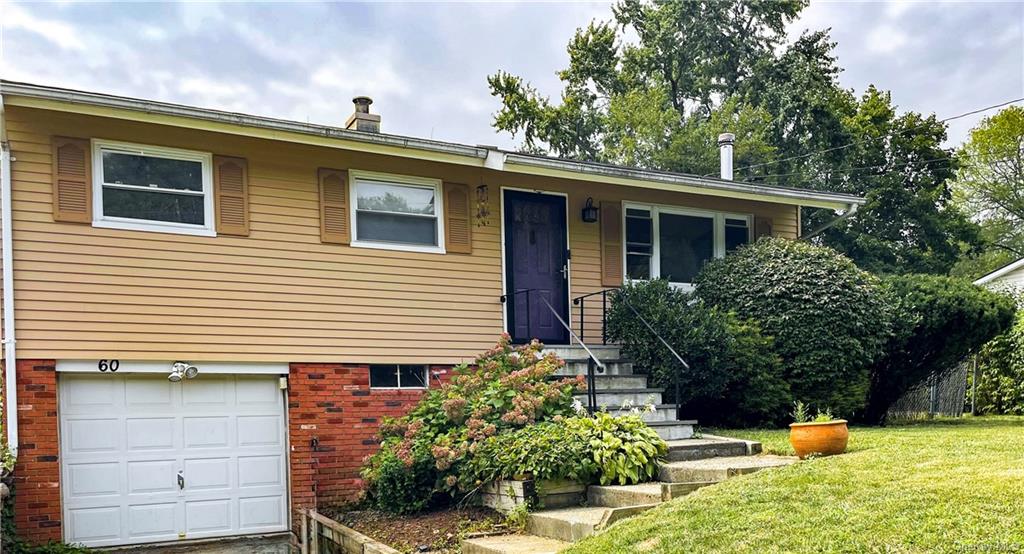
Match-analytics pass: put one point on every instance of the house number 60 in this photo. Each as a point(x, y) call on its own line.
point(108, 365)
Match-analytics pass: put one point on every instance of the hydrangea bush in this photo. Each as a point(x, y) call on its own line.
point(507, 388)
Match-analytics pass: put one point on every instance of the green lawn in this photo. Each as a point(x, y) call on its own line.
point(940, 486)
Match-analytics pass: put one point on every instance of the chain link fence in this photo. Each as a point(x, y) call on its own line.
point(942, 395)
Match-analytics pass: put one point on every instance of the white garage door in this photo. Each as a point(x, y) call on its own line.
point(147, 460)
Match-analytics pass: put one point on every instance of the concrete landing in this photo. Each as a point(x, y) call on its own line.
point(719, 469)
point(710, 447)
point(513, 544)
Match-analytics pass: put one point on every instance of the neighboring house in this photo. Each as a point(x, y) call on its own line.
point(1009, 278)
point(316, 277)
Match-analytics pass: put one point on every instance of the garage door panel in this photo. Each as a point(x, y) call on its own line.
point(207, 432)
point(208, 474)
point(214, 392)
point(152, 477)
point(206, 516)
point(153, 394)
point(256, 393)
point(92, 435)
point(149, 521)
point(150, 433)
point(98, 524)
point(93, 396)
point(121, 455)
point(93, 479)
point(259, 431)
point(261, 512)
point(260, 471)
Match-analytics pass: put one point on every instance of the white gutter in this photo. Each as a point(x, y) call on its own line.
point(7, 258)
point(847, 214)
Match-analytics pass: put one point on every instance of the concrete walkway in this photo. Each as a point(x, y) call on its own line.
point(271, 544)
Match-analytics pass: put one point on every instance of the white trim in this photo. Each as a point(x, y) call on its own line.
point(208, 368)
point(568, 247)
point(356, 175)
point(718, 220)
point(398, 377)
point(7, 256)
point(1008, 268)
point(112, 222)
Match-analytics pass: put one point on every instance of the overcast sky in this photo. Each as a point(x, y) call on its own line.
point(426, 64)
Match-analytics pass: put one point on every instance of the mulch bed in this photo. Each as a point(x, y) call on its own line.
point(434, 531)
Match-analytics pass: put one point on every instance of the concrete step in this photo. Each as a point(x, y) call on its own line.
point(611, 382)
point(618, 496)
point(513, 544)
point(616, 398)
point(575, 351)
point(718, 469)
point(574, 524)
point(614, 366)
point(710, 446)
point(673, 430)
point(662, 412)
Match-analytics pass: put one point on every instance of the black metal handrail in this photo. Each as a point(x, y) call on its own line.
point(593, 364)
point(604, 334)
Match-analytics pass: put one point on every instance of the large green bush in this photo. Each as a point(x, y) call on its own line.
point(1000, 386)
point(734, 377)
point(829, 319)
point(938, 322)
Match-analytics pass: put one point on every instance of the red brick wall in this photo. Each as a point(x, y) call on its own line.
point(37, 513)
point(334, 404)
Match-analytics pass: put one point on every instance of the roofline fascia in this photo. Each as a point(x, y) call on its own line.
point(34, 96)
point(557, 167)
point(163, 113)
point(1012, 266)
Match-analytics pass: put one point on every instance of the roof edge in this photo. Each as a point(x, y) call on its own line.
point(1012, 266)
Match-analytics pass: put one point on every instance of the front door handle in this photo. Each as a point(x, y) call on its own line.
point(181, 480)
point(565, 272)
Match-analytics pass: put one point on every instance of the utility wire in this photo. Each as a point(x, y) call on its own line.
point(855, 143)
point(887, 165)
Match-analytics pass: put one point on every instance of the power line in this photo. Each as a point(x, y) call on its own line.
point(855, 143)
point(886, 166)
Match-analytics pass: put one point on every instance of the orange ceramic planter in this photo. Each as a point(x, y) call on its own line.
point(819, 438)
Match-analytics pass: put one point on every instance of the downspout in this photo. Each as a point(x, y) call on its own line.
point(831, 223)
point(7, 258)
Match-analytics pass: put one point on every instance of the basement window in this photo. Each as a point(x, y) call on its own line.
point(673, 243)
point(397, 212)
point(152, 188)
point(398, 376)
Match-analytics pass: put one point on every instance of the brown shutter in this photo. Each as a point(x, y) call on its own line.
point(231, 195)
point(335, 226)
point(762, 227)
point(72, 180)
point(458, 232)
point(611, 244)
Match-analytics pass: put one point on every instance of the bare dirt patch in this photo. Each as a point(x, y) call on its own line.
point(433, 531)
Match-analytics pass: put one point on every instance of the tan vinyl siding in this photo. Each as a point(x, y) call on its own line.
point(279, 294)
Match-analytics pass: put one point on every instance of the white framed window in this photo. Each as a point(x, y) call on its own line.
point(396, 212)
point(674, 243)
point(152, 188)
point(398, 376)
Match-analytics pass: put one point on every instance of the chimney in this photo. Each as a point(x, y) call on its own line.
point(361, 119)
point(725, 141)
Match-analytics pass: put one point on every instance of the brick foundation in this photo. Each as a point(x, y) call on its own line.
point(37, 510)
point(334, 404)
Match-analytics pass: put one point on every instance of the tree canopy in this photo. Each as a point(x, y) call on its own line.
point(989, 187)
point(654, 86)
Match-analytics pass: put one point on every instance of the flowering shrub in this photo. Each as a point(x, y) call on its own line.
point(507, 388)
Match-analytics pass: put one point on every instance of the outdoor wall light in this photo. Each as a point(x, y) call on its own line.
point(590, 212)
point(182, 369)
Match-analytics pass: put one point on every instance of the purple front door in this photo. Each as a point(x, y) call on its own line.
point(536, 267)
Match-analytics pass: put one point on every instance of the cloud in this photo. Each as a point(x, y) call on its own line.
point(425, 64)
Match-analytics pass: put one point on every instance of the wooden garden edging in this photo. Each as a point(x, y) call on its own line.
point(323, 535)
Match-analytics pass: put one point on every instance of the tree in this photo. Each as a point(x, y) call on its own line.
point(699, 69)
point(989, 187)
